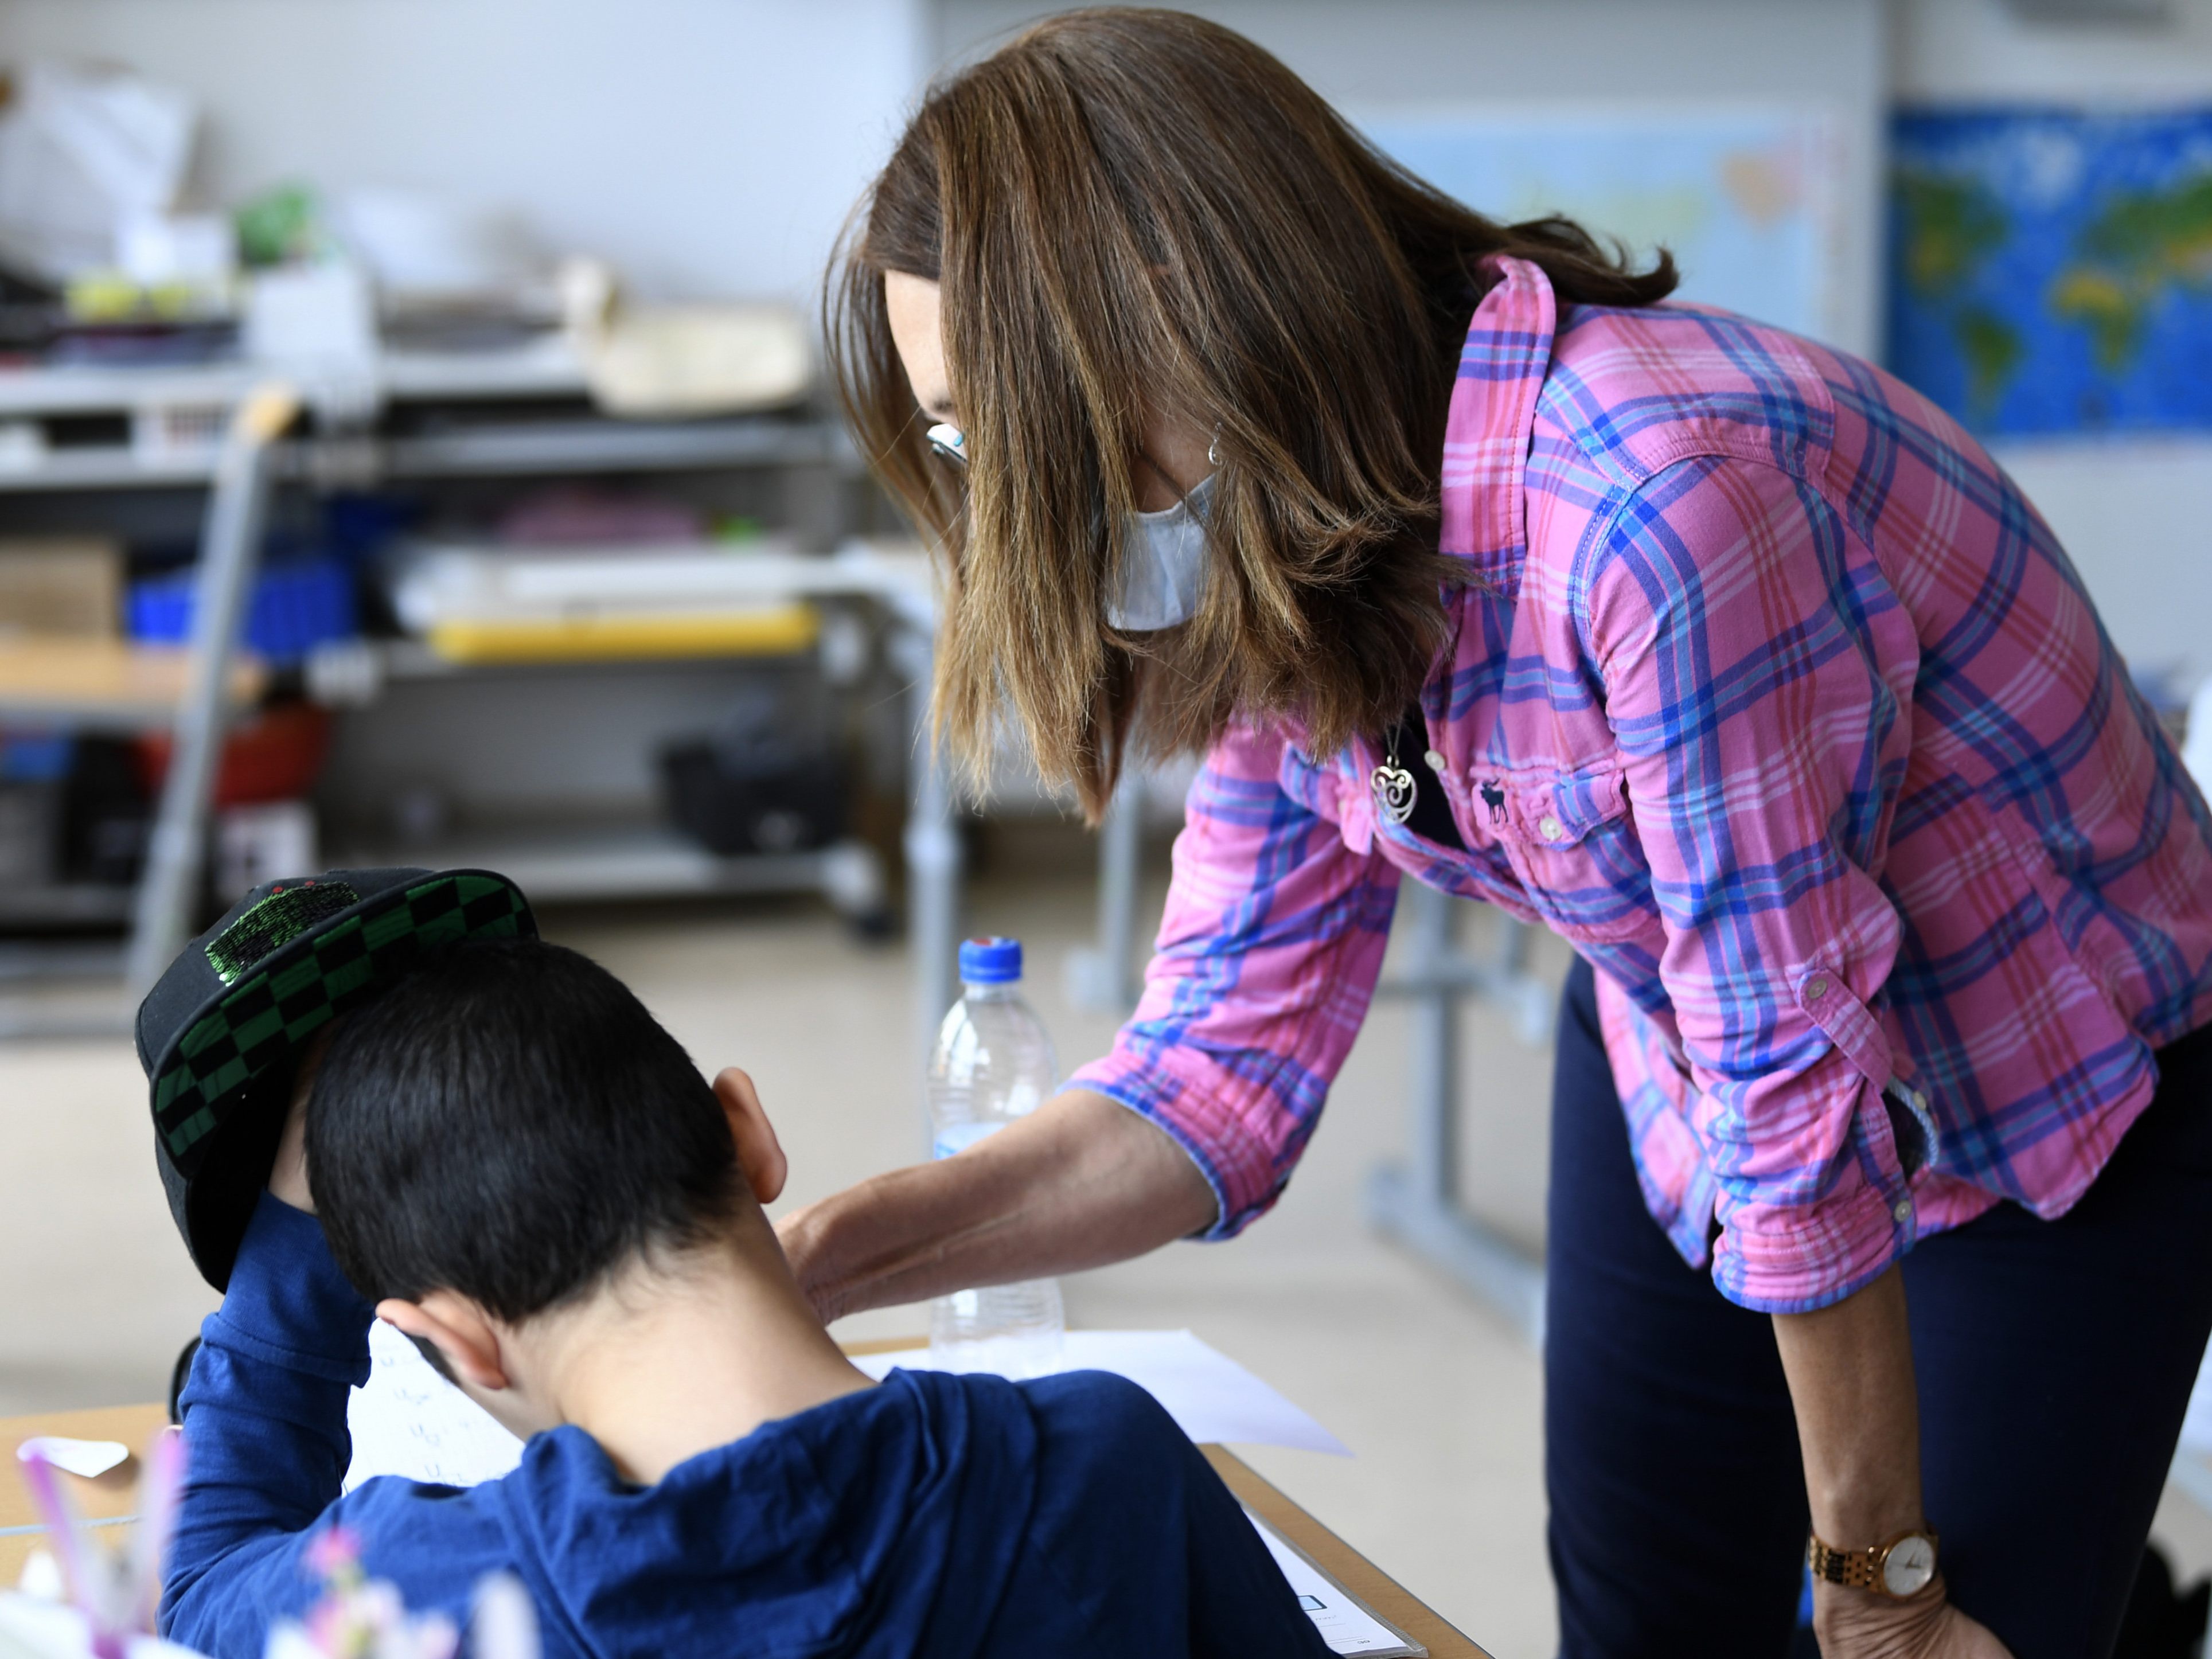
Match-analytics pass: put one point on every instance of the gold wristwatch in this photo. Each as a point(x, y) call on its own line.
point(1900, 1567)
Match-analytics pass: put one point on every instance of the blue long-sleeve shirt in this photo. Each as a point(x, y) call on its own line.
point(932, 1516)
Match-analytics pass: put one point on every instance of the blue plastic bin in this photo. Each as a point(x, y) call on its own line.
point(297, 604)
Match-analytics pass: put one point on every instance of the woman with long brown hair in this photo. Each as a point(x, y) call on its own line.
point(1881, 1154)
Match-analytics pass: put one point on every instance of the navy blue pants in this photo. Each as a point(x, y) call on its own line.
point(2054, 1359)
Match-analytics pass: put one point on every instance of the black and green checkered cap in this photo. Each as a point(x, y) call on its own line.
point(219, 1032)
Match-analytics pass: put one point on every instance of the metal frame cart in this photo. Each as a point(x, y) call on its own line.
point(512, 414)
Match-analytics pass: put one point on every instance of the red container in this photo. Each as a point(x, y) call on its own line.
point(275, 755)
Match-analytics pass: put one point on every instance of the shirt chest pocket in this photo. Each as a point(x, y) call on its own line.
point(1573, 843)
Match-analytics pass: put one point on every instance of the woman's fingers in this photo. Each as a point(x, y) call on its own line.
point(801, 1240)
point(1859, 1624)
point(1962, 1637)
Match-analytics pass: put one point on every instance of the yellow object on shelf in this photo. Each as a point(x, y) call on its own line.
point(755, 631)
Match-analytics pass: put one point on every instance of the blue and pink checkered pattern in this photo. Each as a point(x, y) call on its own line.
point(1771, 695)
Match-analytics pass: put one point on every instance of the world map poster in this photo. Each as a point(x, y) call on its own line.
point(2052, 270)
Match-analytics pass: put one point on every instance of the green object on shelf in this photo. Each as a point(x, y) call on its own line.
point(281, 225)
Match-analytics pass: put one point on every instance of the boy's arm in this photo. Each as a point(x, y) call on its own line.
point(266, 1440)
point(1134, 1518)
point(1240, 1601)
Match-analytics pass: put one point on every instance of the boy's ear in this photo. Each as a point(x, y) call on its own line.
point(759, 1153)
point(458, 1329)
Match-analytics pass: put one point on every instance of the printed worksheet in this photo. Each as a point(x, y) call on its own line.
point(1344, 1624)
point(409, 1420)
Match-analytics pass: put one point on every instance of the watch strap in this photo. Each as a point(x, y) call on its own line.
point(1859, 1569)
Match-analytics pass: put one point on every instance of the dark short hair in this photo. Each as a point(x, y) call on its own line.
point(510, 1123)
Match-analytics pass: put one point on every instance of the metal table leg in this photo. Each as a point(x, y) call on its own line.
point(1416, 1202)
point(1106, 976)
point(932, 844)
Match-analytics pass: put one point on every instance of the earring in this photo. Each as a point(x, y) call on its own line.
point(1214, 449)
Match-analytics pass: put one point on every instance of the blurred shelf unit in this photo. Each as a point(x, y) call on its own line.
point(77, 428)
point(100, 684)
point(520, 412)
point(644, 861)
point(70, 904)
point(503, 615)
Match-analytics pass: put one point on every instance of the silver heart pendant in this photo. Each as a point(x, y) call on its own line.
point(1394, 788)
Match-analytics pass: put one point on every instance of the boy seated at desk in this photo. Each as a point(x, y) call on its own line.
point(516, 1166)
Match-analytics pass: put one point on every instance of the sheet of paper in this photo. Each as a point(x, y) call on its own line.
point(89, 1458)
point(1344, 1624)
point(409, 1420)
point(1211, 1395)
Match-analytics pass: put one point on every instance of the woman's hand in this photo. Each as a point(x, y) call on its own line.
point(1081, 1182)
point(1849, 1367)
point(1856, 1624)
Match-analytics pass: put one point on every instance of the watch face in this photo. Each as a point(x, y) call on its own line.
point(1911, 1564)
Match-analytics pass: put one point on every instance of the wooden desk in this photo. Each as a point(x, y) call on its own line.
point(110, 1495)
point(105, 682)
point(135, 1425)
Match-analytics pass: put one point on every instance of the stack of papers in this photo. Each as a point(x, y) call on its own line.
point(1212, 1399)
point(1343, 1620)
point(410, 1421)
point(491, 604)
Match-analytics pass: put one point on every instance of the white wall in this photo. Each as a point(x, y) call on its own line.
point(1954, 50)
point(710, 147)
point(1375, 53)
point(2133, 513)
point(2136, 513)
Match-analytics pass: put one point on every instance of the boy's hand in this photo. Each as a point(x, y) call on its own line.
point(288, 1176)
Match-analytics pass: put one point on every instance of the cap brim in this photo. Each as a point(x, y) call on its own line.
point(262, 1019)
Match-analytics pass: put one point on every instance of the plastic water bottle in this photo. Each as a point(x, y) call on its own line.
point(992, 1063)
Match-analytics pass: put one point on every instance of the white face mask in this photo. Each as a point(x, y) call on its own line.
point(1163, 564)
point(1162, 553)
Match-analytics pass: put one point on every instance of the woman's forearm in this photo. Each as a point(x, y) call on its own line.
point(1081, 1182)
point(1849, 1368)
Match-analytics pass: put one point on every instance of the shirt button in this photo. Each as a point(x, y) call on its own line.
point(1902, 1211)
point(1436, 761)
point(1816, 987)
point(1549, 827)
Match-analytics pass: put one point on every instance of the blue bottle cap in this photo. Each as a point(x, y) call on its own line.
point(990, 961)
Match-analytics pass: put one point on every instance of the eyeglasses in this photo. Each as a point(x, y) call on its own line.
point(949, 441)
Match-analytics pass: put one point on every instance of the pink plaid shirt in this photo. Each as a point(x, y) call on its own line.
point(1772, 696)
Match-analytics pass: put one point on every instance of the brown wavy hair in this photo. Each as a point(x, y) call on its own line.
point(1132, 210)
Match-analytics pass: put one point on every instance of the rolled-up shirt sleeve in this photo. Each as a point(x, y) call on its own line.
point(1267, 959)
point(1763, 752)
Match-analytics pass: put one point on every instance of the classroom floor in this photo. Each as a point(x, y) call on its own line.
point(1439, 1402)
